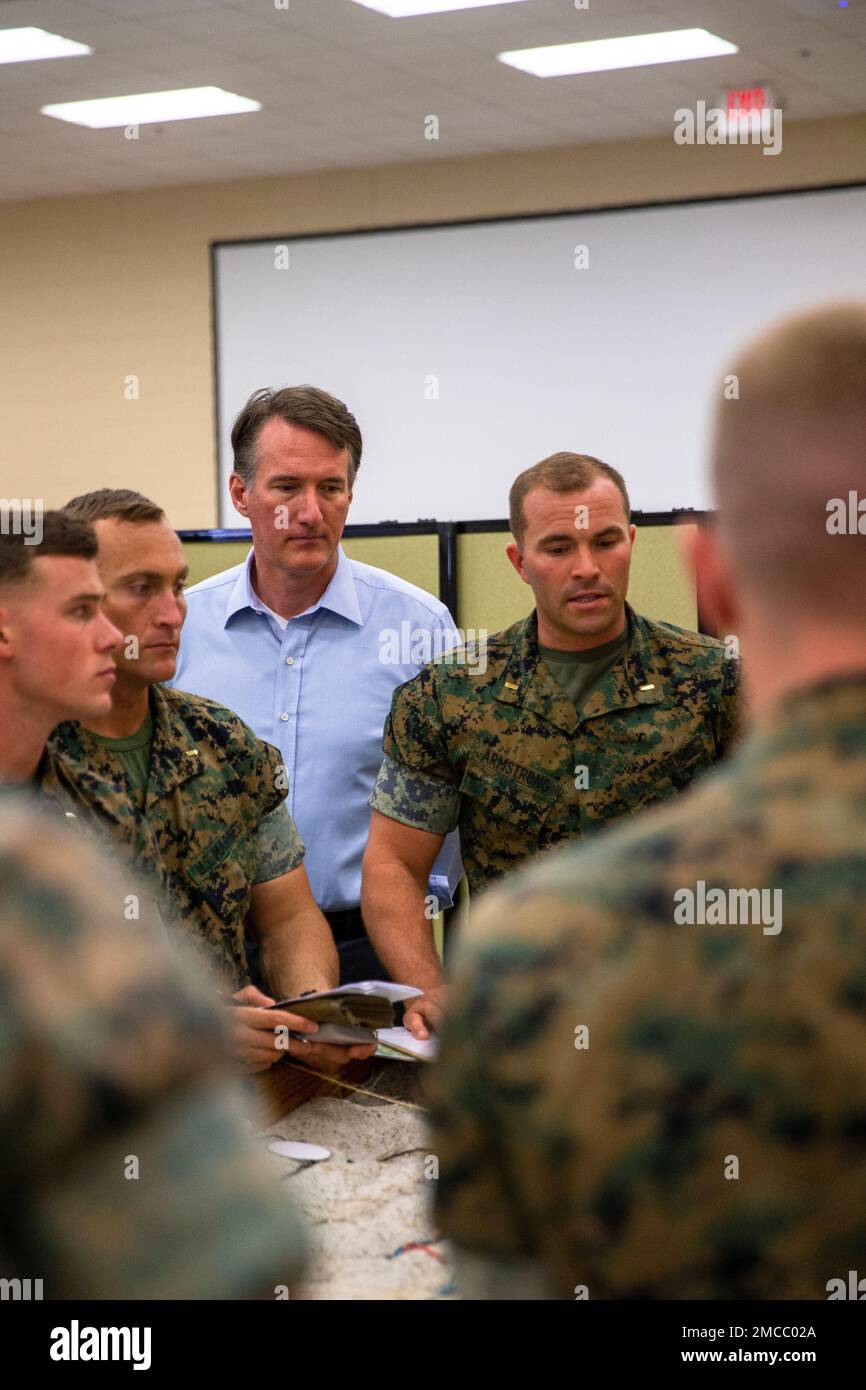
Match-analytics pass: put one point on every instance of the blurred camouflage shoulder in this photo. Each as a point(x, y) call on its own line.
point(114, 1059)
point(664, 1108)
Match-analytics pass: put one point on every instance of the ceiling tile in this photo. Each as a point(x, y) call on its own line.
point(341, 85)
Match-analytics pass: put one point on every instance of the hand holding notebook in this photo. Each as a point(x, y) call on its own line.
point(350, 1013)
point(362, 1012)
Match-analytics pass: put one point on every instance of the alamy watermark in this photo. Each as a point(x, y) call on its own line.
point(21, 1290)
point(715, 126)
point(846, 517)
point(22, 516)
point(77, 1343)
point(717, 907)
point(412, 646)
point(852, 1288)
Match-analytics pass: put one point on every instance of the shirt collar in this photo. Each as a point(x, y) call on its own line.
point(527, 682)
point(340, 596)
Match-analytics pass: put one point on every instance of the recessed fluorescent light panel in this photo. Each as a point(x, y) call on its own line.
point(185, 104)
point(26, 45)
point(603, 55)
point(402, 9)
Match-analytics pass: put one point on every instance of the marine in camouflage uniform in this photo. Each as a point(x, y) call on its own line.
point(112, 1052)
point(212, 823)
point(507, 757)
point(603, 1161)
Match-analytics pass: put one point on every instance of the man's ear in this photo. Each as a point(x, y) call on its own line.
point(6, 639)
point(516, 557)
point(238, 491)
point(708, 563)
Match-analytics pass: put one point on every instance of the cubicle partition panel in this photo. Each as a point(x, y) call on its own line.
point(465, 565)
point(410, 550)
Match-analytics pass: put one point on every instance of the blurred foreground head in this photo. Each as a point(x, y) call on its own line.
point(788, 567)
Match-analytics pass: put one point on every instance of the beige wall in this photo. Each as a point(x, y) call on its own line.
point(95, 289)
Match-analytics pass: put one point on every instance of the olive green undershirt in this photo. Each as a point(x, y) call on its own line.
point(134, 752)
point(580, 672)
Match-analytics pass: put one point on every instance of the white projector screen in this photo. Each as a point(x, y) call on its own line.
point(469, 351)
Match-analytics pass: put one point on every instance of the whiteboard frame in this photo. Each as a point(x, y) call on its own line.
point(460, 222)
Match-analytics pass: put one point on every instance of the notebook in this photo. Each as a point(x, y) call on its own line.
point(353, 1013)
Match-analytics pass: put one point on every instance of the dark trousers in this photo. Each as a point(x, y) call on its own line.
point(358, 960)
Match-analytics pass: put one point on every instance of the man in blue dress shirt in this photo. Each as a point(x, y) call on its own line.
point(307, 645)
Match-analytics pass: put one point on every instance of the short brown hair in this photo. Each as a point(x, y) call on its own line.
point(307, 406)
point(61, 535)
point(562, 472)
point(114, 503)
point(786, 446)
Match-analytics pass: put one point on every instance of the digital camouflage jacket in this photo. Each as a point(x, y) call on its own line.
point(505, 755)
point(653, 1071)
point(212, 782)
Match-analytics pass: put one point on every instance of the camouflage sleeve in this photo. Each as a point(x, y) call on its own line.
point(280, 847)
point(415, 799)
point(507, 1127)
point(126, 1165)
point(417, 783)
point(727, 716)
point(478, 1201)
point(273, 773)
point(414, 733)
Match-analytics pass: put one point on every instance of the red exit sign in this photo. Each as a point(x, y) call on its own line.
point(747, 99)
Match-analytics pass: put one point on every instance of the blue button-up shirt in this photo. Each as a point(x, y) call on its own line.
point(319, 687)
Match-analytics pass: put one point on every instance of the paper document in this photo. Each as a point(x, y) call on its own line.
point(402, 1041)
point(381, 989)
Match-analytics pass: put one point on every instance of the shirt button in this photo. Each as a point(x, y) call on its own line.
point(290, 661)
point(284, 716)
